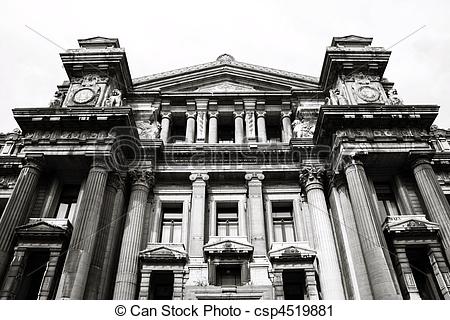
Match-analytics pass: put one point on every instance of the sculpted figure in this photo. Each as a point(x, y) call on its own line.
point(56, 100)
point(393, 97)
point(302, 128)
point(148, 129)
point(337, 98)
point(115, 99)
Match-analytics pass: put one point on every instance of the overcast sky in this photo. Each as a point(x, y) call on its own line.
point(164, 35)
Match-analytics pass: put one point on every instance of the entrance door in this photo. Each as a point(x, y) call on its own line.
point(294, 285)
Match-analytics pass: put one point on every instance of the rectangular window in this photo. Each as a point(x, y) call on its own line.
point(294, 284)
point(227, 218)
point(283, 222)
point(161, 285)
point(68, 202)
point(172, 214)
point(228, 275)
point(386, 200)
point(273, 128)
point(225, 130)
point(178, 129)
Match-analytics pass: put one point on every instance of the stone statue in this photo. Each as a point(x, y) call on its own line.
point(302, 128)
point(337, 98)
point(393, 97)
point(56, 100)
point(148, 129)
point(115, 99)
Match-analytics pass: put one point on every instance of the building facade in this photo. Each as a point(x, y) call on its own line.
point(225, 180)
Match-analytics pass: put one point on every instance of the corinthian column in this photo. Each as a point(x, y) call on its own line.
point(79, 256)
point(286, 126)
point(190, 126)
point(434, 198)
point(17, 207)
point(165, 126)
point(127, 272)
point(311, 180)
point(365, 212)
point(95, 272)
point(238, 126)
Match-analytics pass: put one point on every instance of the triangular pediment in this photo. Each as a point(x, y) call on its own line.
point(164, 252)
point(410, 224)
point(228, 246)
point(225, 75)
point(291, 251)
point(44, 226)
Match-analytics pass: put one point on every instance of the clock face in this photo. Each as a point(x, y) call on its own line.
point(83, 95)
point(368, 93)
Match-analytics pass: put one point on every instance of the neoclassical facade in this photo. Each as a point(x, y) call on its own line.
point(225, 180)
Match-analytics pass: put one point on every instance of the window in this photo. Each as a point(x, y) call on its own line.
point(161, 285)
point(68, 202)
point(283, 223)
point(294, 284)
point(178, 129)
point(172, 214)
point(32, 275)
point(386, 200)
point(273, 128)
point(228, 275)
point(225, 130)
point(227, 218)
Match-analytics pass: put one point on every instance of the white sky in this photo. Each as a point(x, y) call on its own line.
point(164, 35)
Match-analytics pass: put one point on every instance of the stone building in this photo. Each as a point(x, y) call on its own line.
point(225, 180)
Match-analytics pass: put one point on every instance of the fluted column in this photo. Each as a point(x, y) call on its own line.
point(101, 241)
point(238, 126)
point(17, 207)
point(286, 126)
point(329, 272)
point(364, 211)
point(128, 269)
point(112, 244)
point(256, 212)
point(261, 124)
point(79, 256)
point(198, 214)
point(165, 126)
point(212, 133)
point(435, 201)
point(190, 126)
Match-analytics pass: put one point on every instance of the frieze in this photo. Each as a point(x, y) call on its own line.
point(7, 182)
point(57, 135)
point(394, 133)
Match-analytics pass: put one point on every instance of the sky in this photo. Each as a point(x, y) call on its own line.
point(164, 35)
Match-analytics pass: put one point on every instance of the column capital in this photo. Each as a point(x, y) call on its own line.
point(250, 176)
point(351, 160)
point(99, 163)
point(213, 114)
point(36, 163)
point(142, 177)
point(260, 114)
point(166, 115)
point(191, 114)
point(312, 177)
point(419, 160)
point(199, 176)
point(285, 114)
point(115, 180)
point(238, 114)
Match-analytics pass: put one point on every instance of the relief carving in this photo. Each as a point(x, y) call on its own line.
point(149, 129)
point(393, 97)
point(86, 91)
point(56, 100)
point(114, 99)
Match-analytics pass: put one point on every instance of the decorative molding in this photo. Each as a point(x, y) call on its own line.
point(142, 176)
point(312, 174)
point(254, 176)
point(225, 86)
point(196, 176)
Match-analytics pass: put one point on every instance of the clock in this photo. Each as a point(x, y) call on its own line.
point(83, 96)
point(368, 93)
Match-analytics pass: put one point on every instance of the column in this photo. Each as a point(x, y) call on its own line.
point(16, 209)
point(404, 269)
point(269, 223)
point(198, 204)
point(261, 124)
point(127, 271)
point(346, 221)
point(79, 256)
point(165, 126)
point(435, 201)
point(256, 213)
point(364, 211)
point(238, 126)
point(286, 134)
point(212, 132)
point(190, 126)
point(112, 244)
point(311, 284)
point(49, 279)
point(311, 179)
point(101, 241)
